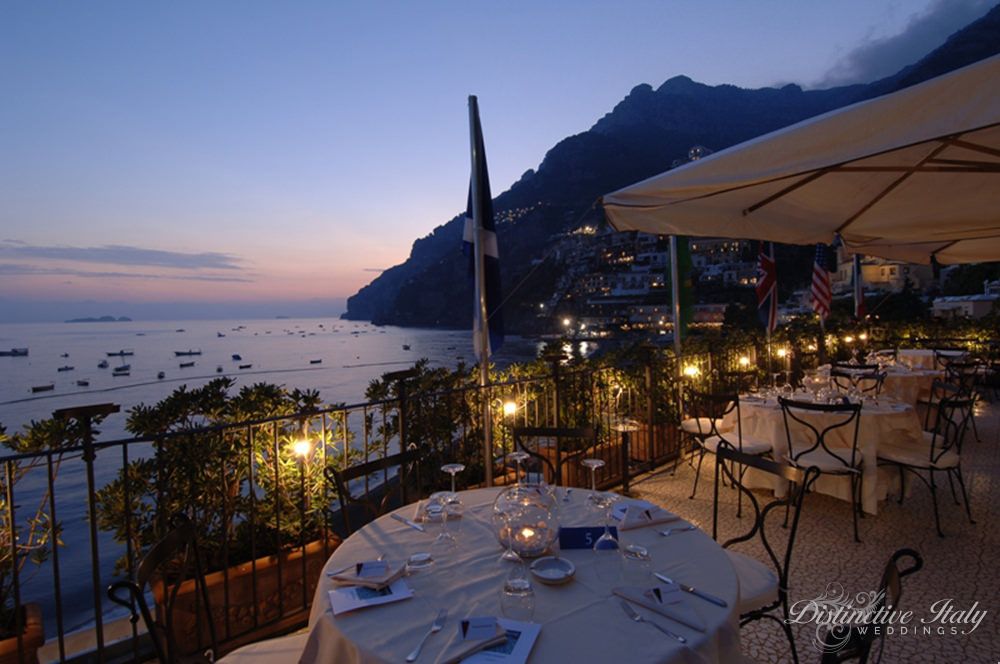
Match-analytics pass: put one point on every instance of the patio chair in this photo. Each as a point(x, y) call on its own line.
point(940, 451)
point(945, 356)
point(763, 586)
point(813, 449)
point(867, 382)
point(940, 389)
point(887, 354)
point(710, 411)
point(844, 643)
point(389, 492)
point(169, 563)
point(555, 456)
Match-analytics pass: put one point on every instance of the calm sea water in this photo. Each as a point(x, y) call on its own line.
point(280, 351)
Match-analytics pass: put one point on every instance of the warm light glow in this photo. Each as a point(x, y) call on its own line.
point(812, 347)
point(863, 336)
point(527, 533)
point(567, 322)
point(302, 448)
point(509, 408)
point(782, 352)
point(744, 361)
point(849, 339)
point(691, 371)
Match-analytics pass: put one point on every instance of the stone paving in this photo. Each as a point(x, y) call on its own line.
point(962, 566)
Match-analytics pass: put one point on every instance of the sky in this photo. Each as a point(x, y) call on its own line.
point(220, 158)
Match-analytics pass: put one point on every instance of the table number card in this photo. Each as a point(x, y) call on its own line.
point(372, 569)
point(477, 629)
point(582, 537)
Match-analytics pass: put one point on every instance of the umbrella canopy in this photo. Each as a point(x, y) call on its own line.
point(909, 175)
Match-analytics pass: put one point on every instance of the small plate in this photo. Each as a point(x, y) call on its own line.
point(553, 570)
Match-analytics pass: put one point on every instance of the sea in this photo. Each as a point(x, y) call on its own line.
point(338, 358)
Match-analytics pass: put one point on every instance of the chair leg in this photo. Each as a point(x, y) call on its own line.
point(975, 429)
point(951, 485)
point(697, 473)
point(791, 640)
point(965, 497)
point(739, 494)
point(854, 505)
point(937, 517)
point(902, 484)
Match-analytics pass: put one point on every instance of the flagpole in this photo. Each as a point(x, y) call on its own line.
point(675, 295)
point(484, 330)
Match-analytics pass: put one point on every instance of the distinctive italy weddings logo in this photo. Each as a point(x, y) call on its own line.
point(835, 613)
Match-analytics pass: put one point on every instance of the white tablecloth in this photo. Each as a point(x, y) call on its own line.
point(889, 422)
point(581, 621)
point(904, 384)
point(923, 358)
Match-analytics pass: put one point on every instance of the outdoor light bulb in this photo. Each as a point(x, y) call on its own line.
point(849, 339)
point(691, 371)
point(812, 347)
point(301, 448)
point(782, 352)
point(509, 408)
point(862, 336)
point(744, 361)
point(567, 322)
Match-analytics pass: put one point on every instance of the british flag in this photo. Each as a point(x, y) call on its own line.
point(767, 286)
point(821, 293)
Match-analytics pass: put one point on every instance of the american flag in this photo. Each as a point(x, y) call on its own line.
point(821, 294)
point(767, 286)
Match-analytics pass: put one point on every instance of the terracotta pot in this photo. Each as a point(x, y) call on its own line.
point(249, 585)
point(31, 640)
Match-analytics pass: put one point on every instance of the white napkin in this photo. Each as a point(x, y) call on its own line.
point(631, 514)
point(667, 600)
point(356, 576)
point(460, 647)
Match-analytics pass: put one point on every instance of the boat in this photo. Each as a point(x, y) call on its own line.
point(65, 368)
point(180, 329)
point(83, 383)
point(14, 352)
point(185, 365)
point(122, 370)
point(103, 364)
point(161, 375)
point(64, 355)
point(219, 334)
point(218, 369)
point(315, 361)
point(43, 388)
point(186, 353)
point(406, 346)
point(236, 357)
point(122, 353)
point(245, 366)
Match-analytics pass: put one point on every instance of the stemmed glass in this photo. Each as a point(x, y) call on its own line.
point(517, 599)
point(509, 555)
point(453, 503)
point(518, 457)
point(606, 547)
point(436, 511)
point(593, 464)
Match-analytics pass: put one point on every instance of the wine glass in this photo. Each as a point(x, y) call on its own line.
point(637, 564)
point(593, 464)
point(517, 599)
point(517, 458)
point(607, 547)
point(436, 512)
point(509, 555)
point(454, 503)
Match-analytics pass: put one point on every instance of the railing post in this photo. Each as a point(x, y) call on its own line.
point(400, 378)
point(555, 362)
point(84, 415)
point(625, 461)
point(650, 357)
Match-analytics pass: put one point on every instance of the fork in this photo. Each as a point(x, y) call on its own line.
point(637, 617)
point(435, 628)
point(678, 529)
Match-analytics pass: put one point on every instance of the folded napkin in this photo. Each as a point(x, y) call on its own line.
point(461, 647)
point(666, 600)
point(631, 514)
point(358, 576)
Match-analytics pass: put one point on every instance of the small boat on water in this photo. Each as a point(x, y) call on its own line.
point(186, 353)
point(65, 368)
point(64, 355)
point(218, 369)
point(43, 388)
point(14, 352)
point(103, 364)
point(180, 329)
point(83, 383)
point(219, 334)
point(236, 357)
point(124, 352)
point(245, 366)
point(185, 365)
point(406, 346)
point(161, 375)
point(315, 361)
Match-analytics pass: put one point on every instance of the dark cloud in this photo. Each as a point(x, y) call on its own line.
point(113, 254)
point(877, 58)
point(18, 269)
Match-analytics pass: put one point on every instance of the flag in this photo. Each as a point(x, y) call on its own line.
point(821, 293)
point(859, 289)
point(767, 286)
point(479, 209)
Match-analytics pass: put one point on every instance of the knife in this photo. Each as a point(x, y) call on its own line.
point(411, 524)
point(694, 591)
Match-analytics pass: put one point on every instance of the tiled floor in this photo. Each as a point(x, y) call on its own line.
point(962, 566)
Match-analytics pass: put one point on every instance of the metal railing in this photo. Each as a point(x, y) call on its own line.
point(259, 497)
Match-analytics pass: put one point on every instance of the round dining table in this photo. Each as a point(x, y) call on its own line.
point(923, 358)
point(580, 621)
point(901, 382)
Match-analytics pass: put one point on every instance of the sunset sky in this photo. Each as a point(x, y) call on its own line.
point(260, 152)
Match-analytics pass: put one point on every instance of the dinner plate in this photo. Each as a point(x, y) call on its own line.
point(553, 570)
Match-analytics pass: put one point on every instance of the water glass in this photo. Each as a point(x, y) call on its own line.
point(517, 597)
point(637, 564)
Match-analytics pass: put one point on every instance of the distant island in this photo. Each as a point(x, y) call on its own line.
point(102, 319)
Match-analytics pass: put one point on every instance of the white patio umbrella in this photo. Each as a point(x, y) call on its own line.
point(909, 175)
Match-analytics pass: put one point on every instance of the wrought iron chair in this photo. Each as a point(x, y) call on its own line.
point(763, 586)
point(392, 491)
point(816, 451)
point(867, 382)
point(939, 390)
point(709, 411)
point(586, 435)
point(888, 354)
point(169, 563)
point(945, 356)
point(940, 451)
point(844, 643)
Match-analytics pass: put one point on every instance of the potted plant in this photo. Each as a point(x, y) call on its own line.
point(258, 501)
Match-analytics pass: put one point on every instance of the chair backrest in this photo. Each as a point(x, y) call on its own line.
point(945, 356)
point(863, 380)
point(843, 642)
point(888, 353)
point(557, 458)
point(799, 483)
point(951, 423)
point(390, 492)
point(963, 374)
point(708, 410)
point(940, 390)
point(841, 416)
point(170, 562)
